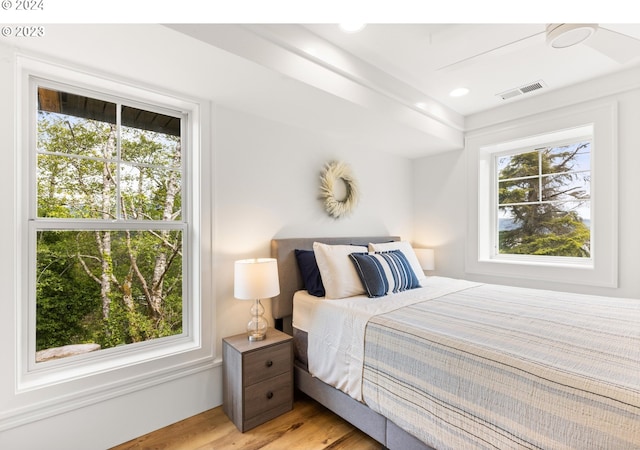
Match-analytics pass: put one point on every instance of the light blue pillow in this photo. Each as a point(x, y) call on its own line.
point(383, 273)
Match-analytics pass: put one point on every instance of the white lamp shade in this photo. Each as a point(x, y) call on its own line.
point(256, 279)
point(426, 257)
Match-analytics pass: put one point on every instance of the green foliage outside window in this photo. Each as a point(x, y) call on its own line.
point(544, 201)
point(106, 284)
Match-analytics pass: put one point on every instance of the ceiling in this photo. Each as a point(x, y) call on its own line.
point(385, 88)
point(509, 56)
point(405, 72)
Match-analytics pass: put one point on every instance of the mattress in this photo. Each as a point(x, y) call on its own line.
point(303, 306)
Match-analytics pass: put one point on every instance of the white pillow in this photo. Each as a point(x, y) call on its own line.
point(339, 276)
point(406, 248)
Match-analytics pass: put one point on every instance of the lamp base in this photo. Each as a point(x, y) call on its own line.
point(253, 337)
point(257, 326)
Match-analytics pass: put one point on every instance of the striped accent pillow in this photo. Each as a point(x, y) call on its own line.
point(382, 273)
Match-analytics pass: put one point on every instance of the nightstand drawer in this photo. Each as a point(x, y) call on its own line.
point(262, 365)
point(268, 395)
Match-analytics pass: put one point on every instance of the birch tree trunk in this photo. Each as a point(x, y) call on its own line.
point(163, 257)
point(104, 237)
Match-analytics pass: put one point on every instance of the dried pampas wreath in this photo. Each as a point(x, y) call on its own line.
point(332, 173)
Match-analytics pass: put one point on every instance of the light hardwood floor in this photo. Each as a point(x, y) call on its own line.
point(309, 426)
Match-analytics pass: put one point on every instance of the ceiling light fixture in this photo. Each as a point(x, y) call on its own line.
point(352, 27)
point(459, 92)
point(563, 35)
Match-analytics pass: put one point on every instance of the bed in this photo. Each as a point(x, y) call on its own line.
point(457, 364)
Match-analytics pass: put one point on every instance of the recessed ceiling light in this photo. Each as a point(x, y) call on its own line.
point(459, 92)
point(352, 27)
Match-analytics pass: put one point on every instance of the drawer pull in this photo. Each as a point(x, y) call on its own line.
point(269, 363)
point(269, 395)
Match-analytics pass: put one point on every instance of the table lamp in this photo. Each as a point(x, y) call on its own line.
point(255, 279)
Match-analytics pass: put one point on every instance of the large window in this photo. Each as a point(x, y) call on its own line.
point(543, 200)
point(116, 215)
point(113, 209)
point(108, 223)
point(542, 197)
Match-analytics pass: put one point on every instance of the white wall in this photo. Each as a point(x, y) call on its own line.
point(267, 185)
point(440, 183)
point(265, 176)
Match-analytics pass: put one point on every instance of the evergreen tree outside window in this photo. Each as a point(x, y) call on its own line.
point(543, 202)
point(109, 221)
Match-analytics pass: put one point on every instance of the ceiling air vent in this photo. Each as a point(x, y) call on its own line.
point(522, 90)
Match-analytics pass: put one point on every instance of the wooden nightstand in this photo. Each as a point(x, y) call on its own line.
point(257, 378)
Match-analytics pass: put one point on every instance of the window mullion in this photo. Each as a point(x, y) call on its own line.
point(540, 175)
point(118, 160)
point(71, 224)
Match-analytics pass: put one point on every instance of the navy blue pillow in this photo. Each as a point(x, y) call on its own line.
point(310, 272)
point(382, 273)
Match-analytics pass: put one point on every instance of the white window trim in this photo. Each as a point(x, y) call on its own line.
point(604, 198)
point(148, 362)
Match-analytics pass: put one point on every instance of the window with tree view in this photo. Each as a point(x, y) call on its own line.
point(544, 201)
point(108, 223)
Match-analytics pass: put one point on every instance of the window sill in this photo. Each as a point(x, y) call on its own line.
point(547, 272)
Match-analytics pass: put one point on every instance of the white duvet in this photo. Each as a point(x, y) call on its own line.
point(336, 328)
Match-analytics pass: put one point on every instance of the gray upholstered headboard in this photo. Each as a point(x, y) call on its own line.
point(291, 280)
